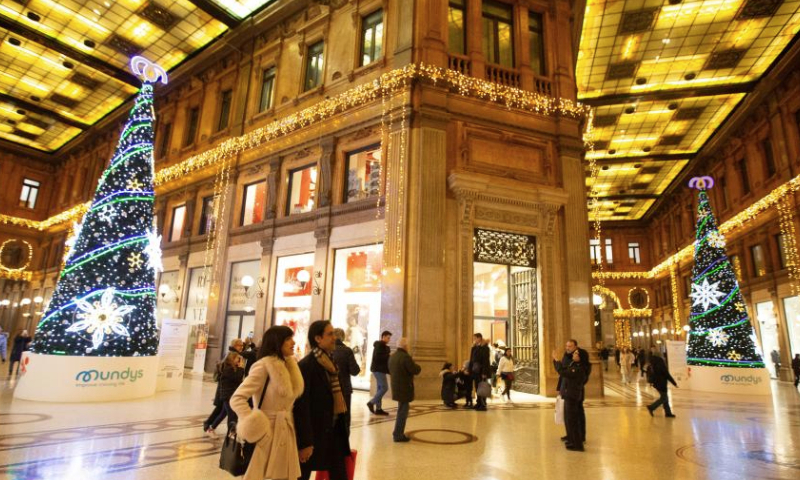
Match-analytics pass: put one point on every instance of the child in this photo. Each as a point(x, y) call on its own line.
point(464, 384)
point(448, 375)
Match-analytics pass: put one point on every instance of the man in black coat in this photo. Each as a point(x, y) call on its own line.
point(321, 432)
point(569, 349)
point(402, 369)
point(379, 369)
point(660, 377)
point(345, 361)
point(479, 367)
point(571, 380)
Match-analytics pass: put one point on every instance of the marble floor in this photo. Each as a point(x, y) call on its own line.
point(161, 438)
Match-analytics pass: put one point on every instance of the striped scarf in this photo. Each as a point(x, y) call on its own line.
point(333, 375)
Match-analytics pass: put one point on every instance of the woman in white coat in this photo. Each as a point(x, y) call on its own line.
point(271, 428)
point(626, 364)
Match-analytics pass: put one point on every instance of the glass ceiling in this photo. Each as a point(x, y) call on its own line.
point(67, 60)
point(633, 53)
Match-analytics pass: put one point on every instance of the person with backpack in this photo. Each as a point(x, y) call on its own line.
point(658, 375)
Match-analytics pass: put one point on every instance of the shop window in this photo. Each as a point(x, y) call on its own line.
point(313, 77)
point(456, 31)
point(225, 110)
point(253, 203)
point(372, 37)
point(302, 190)
point(780, 241)
point(791, 306)
point(594, 251)
point(769, 157)
point(29, 193)
point(363, 173)
point(536, 42)
point(267, 89)
point(240, 315)
point(207, 220)
point(737, 267)
point(168, 298)
point(192, 120)
point(498, 33)
point(178, 219)
point(356, 302)
point(294, 286)
point(634, 253)
point(609, 252)
point(166, 137)
point(196, 310)
point(741, 166)
point(757, 254)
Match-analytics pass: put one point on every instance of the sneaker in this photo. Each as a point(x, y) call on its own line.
point(380, 411)
point(371, 407)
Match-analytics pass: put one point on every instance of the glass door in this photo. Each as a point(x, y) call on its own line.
point(768, 325)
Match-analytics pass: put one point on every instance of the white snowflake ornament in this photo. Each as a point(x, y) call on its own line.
point(706, 294)
point(716, 239)
point(718, 337)
point(101, 318)
point(107, 214)
point(153, 251)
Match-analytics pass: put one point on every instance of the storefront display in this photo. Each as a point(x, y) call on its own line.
point(302, 190)
point(196, 310)
point(240, 318)
point(292, 305)
point(356, 306)
point(363, 173)
point(168, 299)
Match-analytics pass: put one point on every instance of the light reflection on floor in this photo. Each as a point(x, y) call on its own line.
point(161, 438)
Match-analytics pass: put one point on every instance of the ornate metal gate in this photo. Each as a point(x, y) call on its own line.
point(525, 330)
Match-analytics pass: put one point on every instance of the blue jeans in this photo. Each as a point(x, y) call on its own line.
point(400, 421)
point(382, 386)
point(662, 400)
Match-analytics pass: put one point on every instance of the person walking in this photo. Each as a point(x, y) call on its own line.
point(229, 373)
point(402, 370)
point(249, 353)
point(345, 360)
point(505, 368)
point(479, 368)
point(21, 343)
point(604, 354)
point(775, 356)
point(641, 359)
point(796, 369)
point(571, 380)
point(626, 361)
point(319, 418)
point(379, 369)
point(660, 377)
point(271, 427)
point(3, 344)
point(448, 376)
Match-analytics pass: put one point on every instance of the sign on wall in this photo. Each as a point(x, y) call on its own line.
point(172, 353)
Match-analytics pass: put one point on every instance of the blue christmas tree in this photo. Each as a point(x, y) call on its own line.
point(104, 302)
point(721, 334)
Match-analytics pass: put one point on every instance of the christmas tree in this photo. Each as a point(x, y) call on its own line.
point(104, 302)
point(721, 334)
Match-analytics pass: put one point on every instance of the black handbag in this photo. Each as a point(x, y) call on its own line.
point(236, 455)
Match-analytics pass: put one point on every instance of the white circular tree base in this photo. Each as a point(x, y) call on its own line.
point(59, 378)
point(738, 381)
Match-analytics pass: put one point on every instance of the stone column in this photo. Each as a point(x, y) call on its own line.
point(319, 289)
point(191, 204)
point(324, 181)
point(475, 38)
point(272, 186)
point(263, 318)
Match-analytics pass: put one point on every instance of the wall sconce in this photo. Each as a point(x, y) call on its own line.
point(37, 300)
point(317, 290)
point(248, 281)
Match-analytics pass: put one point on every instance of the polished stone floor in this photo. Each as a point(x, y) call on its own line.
point(161, 438)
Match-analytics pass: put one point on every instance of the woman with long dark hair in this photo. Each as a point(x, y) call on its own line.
point(271, 427)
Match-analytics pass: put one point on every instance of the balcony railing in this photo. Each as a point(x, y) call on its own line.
point(543, 86)
point(459, 63)
point(503, 76)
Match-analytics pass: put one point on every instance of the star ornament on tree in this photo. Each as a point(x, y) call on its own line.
point(135, 260)
point(718, 337)
point(101, 318)
point(734, 355)
point(706, 294)
point(134, 185)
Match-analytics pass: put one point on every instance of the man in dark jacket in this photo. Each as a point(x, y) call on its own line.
point(380, 368)
point(402, 369)
point(319, 413)
point(345, 361)
point(479, 367)
point(660, 377)
point(641, 360)
point(571, 380)
point(569, 349)
point(796, 369)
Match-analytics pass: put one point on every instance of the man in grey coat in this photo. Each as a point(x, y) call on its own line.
point(345, 361)
point(402, 370)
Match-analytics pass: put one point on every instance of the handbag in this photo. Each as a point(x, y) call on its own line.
point(236, 455)
point(510, 376)
point(484, 389)
point(349, 464)
point(559, 410)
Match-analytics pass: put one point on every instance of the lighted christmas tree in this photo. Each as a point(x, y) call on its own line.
point(721, 334)
point(104, 303)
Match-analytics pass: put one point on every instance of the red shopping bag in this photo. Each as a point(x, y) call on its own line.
point(349, 463)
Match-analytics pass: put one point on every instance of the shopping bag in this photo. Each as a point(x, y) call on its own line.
point(559, 410)
point(349, 463)
point(484, 389)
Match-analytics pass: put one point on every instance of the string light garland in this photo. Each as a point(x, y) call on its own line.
point(633, 313)
point(676, 303)
point(789, 240)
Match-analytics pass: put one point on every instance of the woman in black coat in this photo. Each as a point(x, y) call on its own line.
point(21, 343)
point(230, 374)
point(448, 385)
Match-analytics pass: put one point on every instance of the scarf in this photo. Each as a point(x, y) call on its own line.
point(333, 375)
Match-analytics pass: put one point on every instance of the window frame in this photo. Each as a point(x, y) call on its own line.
point(540, 31)
point(205, 215)
point(226, 104)
point(595, 252)
point(166, 138)
point(25, 192)
point(192, 124)
point(312, 54)
point(268, 75)
point(462, 6)
point(347, 155)
point(368, 23)
point(741, 167)
point(770, 168)
point(496, 34)
point(172, 223)
point(244, 201)
point(756, 272)
point(783, 260)
point(609, 251)
point(635, 249)
point(290, 183)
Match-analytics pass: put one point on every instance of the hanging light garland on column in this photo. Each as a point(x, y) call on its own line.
point(786, 212)
point(676, 302)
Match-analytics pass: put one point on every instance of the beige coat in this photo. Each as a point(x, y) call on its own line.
point(271, 428)
point(626, 363)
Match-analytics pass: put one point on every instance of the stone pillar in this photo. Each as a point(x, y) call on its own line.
point(263, 317)
point(324, 181)
point(475, 39)
point(319, 289)
point(191, 204)
point(433, 31)
point(273, 187)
